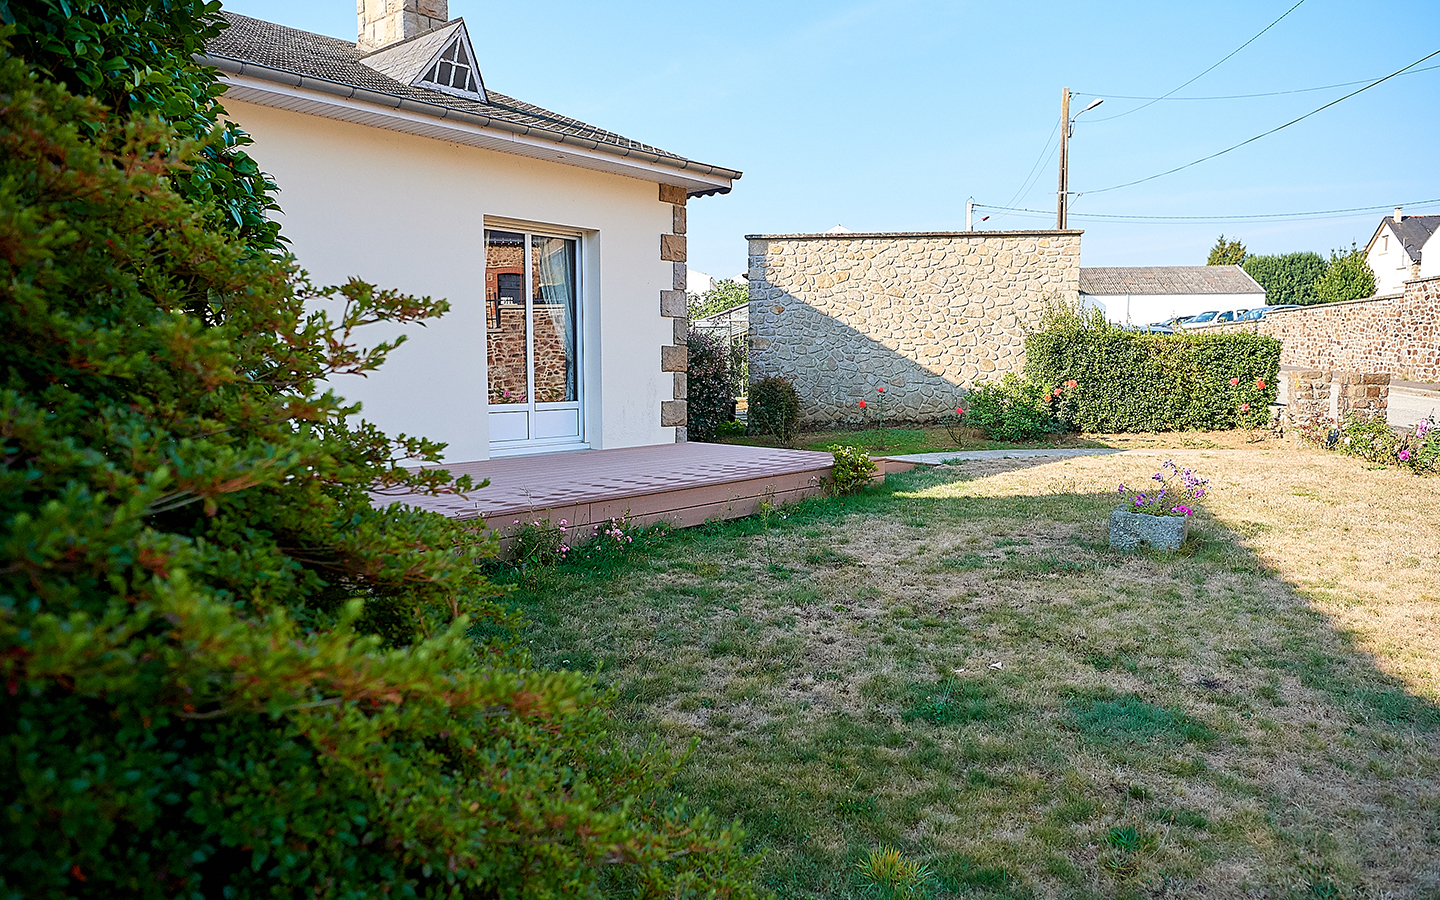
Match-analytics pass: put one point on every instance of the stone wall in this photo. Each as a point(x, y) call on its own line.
point(1314, 395)
point(923, 315)
point(1397, 335)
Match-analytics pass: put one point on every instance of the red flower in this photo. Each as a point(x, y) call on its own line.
point(879, 390)
point(862, 404)
point(1234, 381)
point(1244, 407)
point(1072, 383)
point(959, 411)
point(1260, 383)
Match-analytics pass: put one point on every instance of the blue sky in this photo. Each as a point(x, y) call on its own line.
point(887, 116)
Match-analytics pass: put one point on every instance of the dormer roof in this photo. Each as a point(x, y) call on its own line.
point(441, 60)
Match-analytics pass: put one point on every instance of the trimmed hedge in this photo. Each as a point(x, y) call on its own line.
point(1135, 381)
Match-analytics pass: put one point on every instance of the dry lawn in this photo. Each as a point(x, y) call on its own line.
point(958, 665)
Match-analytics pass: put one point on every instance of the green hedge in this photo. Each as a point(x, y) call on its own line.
point(1135, 381)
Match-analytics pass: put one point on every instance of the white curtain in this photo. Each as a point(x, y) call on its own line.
point(555, 258)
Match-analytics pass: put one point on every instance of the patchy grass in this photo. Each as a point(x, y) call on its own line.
point(956, 666)
point(936, 439)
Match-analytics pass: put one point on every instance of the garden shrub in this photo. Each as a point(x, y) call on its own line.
point(228, 673)
point(1138, 381)
point(1372, 439)
point(1011, 409)
point(851, 470)
point(774, 408)
point(710, 395)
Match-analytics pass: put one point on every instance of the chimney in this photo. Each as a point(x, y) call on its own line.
point(386, 22)
point(1398, 210)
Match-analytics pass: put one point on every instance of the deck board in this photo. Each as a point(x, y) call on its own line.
point(684, 484)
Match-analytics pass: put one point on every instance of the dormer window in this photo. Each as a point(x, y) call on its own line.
point(440, 60)
point(453, 72)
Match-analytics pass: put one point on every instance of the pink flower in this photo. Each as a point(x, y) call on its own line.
point(959, 411)
point(1234, 381)
point(1404, 455)
point(1244, 407)
point(1072, 383)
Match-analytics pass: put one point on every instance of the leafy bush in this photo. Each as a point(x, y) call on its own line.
point(1373, 440)
point(851, 470)
point(1137, 381)
point(710, 397)
point(732, 428)
point(228, 672)
point(774, 408)
point(1348, 277)
point(138, 58)
point(1288, 277)
point(1012, 409)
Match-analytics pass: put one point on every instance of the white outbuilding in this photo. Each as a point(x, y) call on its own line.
point(1142, 295)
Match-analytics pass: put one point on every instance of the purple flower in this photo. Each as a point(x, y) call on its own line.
point(1140, 500)
point(1182, 510)
point(1120, 490)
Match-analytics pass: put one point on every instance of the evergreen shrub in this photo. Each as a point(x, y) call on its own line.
point(1138, 381)
point(709, 392)
point(229, 672)
point(1012, 409)
point(774, 408)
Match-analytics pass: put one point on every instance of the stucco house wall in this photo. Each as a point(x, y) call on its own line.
point(409, 213)
point(923, 315)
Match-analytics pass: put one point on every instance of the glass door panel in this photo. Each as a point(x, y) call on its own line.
point(532, 299)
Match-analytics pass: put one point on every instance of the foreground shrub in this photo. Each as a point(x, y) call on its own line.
point(228, 673)
point(1137, 381)
point(774, 408)
point(710, 395)
point(1012, 409)
point(851, 469)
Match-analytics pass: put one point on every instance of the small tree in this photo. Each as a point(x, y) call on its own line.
point(726, 294)
point(1287, 278)
point(1348, 277)
point(1226, 253)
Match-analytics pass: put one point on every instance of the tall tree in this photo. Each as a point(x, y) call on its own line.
point(1226, 253)
point(1288, 278)
point(1348, 277)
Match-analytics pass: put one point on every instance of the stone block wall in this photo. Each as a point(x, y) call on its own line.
point(1321, 395)
point(673, 359)
point(1397, 335)
point(923, 315)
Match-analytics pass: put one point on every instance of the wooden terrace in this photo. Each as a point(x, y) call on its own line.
point(682, 484)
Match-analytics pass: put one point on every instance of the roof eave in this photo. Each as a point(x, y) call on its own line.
point(266, 86)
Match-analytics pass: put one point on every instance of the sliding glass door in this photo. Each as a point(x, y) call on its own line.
point(532, 341)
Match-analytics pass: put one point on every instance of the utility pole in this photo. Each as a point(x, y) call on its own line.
point(970, 214)
point(1062, 198)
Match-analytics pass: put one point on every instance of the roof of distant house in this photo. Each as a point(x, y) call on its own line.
point(1412, 232)
point(267, 50)
point(1122, 280)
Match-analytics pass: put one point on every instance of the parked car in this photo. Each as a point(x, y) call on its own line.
point(1216, 317)
point(1261, 312)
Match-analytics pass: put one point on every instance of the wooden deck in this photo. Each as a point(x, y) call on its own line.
point(682, 484)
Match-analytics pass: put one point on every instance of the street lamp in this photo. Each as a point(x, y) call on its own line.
point(1062, 200)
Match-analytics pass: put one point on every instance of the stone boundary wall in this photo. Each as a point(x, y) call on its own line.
point(1334, 396)
point(1397, 335)
point(923, 315)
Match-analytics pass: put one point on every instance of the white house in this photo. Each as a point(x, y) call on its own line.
point(1142, 295)
point(1396, 252)
point(560, 246)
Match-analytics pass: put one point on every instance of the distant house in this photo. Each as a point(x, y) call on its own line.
point(559, 245)
point(1396, 253)
point(1141, 295)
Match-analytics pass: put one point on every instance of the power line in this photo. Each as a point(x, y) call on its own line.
point(1204, 73)
point(1182, 220)
point(1024, 185)
point(1257, 137)
point(1323, 87)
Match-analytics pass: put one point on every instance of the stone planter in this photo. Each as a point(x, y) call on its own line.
point(1129, 531)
